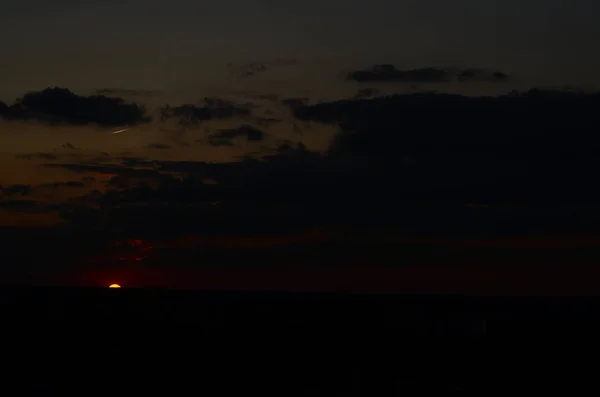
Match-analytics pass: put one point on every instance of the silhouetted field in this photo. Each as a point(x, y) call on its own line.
point(210, 343)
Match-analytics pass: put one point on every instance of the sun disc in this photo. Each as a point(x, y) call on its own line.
point(114, 286)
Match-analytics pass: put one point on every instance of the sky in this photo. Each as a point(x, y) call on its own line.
point(272, 118)
point(176, 44)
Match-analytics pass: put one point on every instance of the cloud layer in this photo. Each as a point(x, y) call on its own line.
point(389, 73)
point(420, 163)
point(212, 109)
point(61, 106)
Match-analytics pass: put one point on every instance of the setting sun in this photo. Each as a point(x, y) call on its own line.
point(114, 286)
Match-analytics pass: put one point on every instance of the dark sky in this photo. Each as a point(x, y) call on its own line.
point(271, 119)
point(147, 43)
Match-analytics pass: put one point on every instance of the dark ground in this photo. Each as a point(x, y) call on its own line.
point(140, 342)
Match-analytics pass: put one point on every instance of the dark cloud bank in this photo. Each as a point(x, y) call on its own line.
point(389, 73)
point(246, 131)
point(417, 165)
point(61, 106)
point(213, 109)
point(420, 163)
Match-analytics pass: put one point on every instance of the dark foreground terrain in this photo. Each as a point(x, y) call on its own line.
point(141, 342)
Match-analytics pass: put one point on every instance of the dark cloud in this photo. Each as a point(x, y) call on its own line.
point(159, 146)
point(267, 121)
point(288, 150)
point(237, 203)
point(419, 164)
point(252, 134)
point(119, 182)
point(59, 105)
point(19, 205)
point(481, 75)
point(384, 73)
point(36, 156)
point(21, 190)
point(389, 73)
point(520, 146)
point(214, 109)
point(132, 172)
point(291, 190)
point(16, 190)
